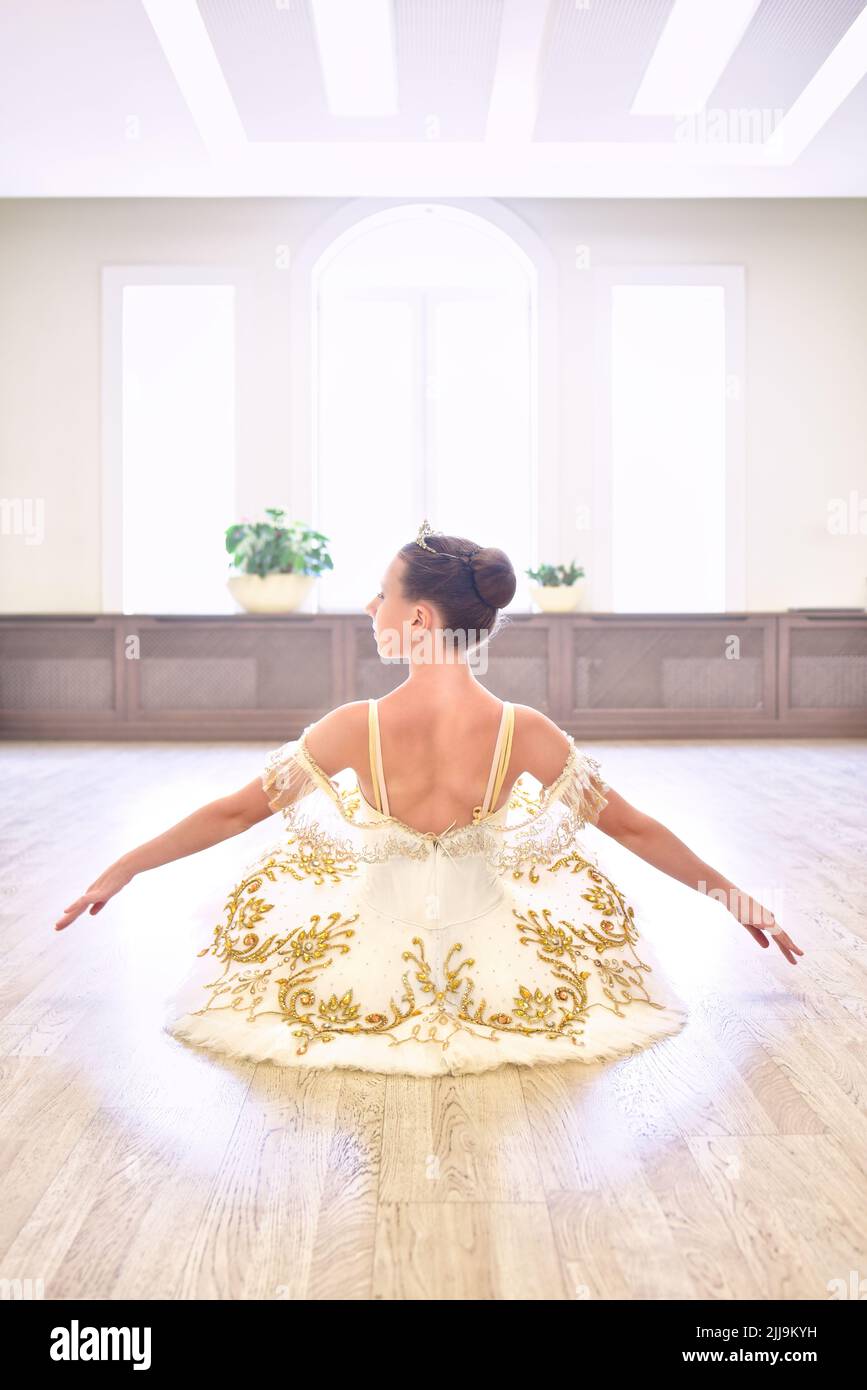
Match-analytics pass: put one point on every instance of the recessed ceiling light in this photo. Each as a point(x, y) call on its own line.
point(839, 74)
point(694, 48)
point(356, 53)
point(190, 54)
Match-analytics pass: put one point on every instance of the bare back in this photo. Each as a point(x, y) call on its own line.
point(436, 763)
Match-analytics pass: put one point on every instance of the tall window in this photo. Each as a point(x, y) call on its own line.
point(424, 391)
point(671, 475)
point(170, 438)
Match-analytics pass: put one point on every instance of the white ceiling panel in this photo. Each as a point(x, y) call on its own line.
point(495, 97)
point(597, 57)
point(446, 52)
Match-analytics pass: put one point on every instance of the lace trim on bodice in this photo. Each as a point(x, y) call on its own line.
point(529, 828)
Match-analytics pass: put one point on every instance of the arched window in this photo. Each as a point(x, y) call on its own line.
point(424, 391)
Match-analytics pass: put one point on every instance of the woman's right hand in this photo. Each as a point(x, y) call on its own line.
point(96, 896)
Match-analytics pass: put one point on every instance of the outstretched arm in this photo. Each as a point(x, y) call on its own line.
point(216, 821)
point(655, 843)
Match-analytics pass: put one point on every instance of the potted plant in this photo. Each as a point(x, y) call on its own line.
point(557, 588)
point(275, 562)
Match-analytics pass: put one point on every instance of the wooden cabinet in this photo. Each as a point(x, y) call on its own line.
point(265, 677)
point(822, 674)
point(633, 675)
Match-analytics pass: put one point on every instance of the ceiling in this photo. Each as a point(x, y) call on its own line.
point(494, 98)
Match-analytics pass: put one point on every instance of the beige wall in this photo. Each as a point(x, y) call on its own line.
point(806, 348)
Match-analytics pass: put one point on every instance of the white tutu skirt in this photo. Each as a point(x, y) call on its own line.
point(424, 968)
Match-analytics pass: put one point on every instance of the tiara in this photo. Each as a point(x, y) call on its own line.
point(426, 530)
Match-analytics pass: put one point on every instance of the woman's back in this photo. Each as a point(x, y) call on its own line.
point(436, 759)
point(430, 771)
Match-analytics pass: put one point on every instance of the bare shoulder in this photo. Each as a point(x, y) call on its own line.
point(333, 741)
point(539, 746)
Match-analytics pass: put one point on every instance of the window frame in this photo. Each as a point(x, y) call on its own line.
point(732, 280)
point(115, 279)
point(354, 219)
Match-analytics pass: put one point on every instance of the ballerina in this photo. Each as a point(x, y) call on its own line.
point(365, 935)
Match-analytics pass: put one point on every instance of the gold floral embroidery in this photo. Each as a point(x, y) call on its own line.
point(563, 947)
point(607, 900)
point(306, 952)
point(238, 937)
point(286, 968)
point(437, 1016)
point(534, 1011)
point(522, 800)
point(317, 861)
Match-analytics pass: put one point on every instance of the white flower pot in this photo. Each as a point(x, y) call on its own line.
point(275, 593)
point(558, 598)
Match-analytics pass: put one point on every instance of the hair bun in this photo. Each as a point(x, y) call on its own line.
point(493, 576)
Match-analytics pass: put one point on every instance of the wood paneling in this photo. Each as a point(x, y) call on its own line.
point(595, 674)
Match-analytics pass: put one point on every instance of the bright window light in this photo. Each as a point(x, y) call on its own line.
point(423, 387)
point(178, 447)
point(479, 415)
point(668, 448)
point(694, 48)
point(366, 445)
point(356, 53)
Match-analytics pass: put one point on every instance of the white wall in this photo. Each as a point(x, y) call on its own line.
point(806, 346)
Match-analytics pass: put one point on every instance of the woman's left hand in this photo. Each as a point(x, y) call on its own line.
point(757, 920)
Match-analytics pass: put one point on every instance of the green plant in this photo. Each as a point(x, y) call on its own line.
point(277, 546)
point(553, 575)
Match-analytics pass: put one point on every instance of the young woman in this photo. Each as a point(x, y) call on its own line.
point(431, 911)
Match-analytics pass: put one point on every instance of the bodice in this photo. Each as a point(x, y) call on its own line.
point(443, 889)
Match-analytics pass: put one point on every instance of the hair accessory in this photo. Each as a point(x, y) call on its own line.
point(426, 530)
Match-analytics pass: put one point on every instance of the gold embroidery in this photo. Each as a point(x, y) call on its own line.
point(522, 800)
point(237, 937)
point(534, 1011)
point(607, 900)
point(306, 952)
point(313, 860)
point(532, 874)
point(437, 1015)
point(286, 968)
point(351, 800)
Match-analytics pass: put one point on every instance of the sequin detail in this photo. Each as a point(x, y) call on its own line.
point(339, 825)
point(280, 974)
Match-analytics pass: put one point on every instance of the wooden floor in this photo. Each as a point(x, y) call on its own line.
point(729, 1161)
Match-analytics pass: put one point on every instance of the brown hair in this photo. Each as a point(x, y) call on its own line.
point(468, 583)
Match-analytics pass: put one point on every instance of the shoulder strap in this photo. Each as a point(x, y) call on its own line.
point(375, 756)
point(500, 762)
